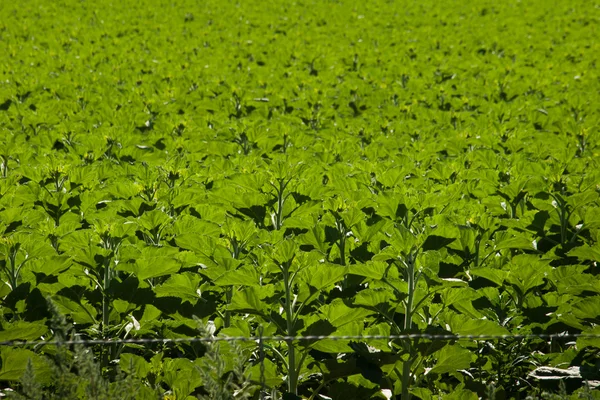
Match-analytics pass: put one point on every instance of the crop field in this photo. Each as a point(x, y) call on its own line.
point(213, 169)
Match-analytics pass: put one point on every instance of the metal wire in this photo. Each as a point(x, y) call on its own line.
point(259, 339)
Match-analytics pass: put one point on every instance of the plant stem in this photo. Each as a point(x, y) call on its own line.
point(289, 314)
point(406, 365)
point(411, 293)
point(406, 379)
point(228, 296)
point(106, 307)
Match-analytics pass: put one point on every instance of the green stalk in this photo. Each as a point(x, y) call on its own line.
point(280, 201)
point(339, 224)
point(289, 314)
point(4, 165)
point(105, 307)
point(13, 272)
point(342, 247)
point(228, 297)
point(406, 379)
point(278, 221)
point(411, 293)
point(236, 248)
point(406, 365)
point(564, 221)
point(563, 215)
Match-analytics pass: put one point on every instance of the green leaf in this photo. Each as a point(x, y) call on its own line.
point(245, 275)
point(285, 251)
point(122, 306)
point(52, 265)
point(586, 253)
point(434, 242)
point(461, 394)
point(464, 325)
point(154, 262)
point(402, 240)
point(184, 286)
point(519, 242)
point(528, 272)
point(370, 269)
point(587, 308)
point(461, 299)
point(182, 375)
point(316, 238)
point(22, 330)
point(134, 365)
point(322, 276)
point(374, 299)
point(153, 219)
point(494, 275)
point(249, 299)
point(271, 374)
point(338, 314)
point(423, 393)
point(14, 363)
point(82, 312)
point(584, 342)
point(451, 358)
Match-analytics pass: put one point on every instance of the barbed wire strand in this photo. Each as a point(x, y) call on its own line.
point(259, 339)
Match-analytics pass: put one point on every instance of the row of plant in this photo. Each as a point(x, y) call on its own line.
point(299, 170)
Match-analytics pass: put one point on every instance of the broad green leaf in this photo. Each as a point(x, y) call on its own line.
point(315, 237)
point(435, 242)
point(181, 375)
point(527, 272)
point(150, 314)
point(322, 276)
point(461, 299)
point(134, 365)
point(354, 328)
point(52, 265)
point(249, 299)
point(496, 276)
point(422, 393)
point(153, 262)
point(270, 373)
point(81, 312)
point(338, 314)
point(197, 242)
point(285, 251)
point(584, 342)
point(122, 306)
point(245, 275)
point(465, 325)
point(374, 299)
point(587, 308)
point(14, 363)
point(586, 253)
point(462, 394)
point(518, 242)
point(372, 269)
point(23, 330)
point(154, 219)
point(451, 358)
point(185, 286)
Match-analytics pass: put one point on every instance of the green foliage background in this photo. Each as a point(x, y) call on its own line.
point(317, 167)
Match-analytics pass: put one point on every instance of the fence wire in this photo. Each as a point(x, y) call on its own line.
point(260, 339)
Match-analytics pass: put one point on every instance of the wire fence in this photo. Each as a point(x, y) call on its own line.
point(260, 340)
point(207, 339)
